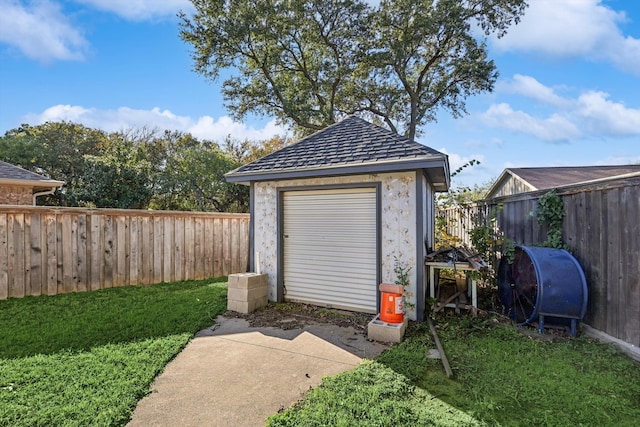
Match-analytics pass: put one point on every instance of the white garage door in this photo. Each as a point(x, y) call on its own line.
point(330, 248)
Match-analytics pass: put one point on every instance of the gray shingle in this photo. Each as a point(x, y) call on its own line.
point(551, 177)
point(9, 171)
point(350, 142)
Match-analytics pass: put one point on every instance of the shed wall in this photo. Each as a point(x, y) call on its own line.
point(398, 225)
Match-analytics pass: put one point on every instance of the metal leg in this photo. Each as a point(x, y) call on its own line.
point(474, 296)
point(574, 323)
point(541, 323)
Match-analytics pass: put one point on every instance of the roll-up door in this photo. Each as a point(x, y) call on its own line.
point(330, 241)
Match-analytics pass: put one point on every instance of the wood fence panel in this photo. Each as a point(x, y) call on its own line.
point(208, 244)
point(244, 248)
point(189, 248)
point(32, 265)
point(612, 262)
point(66, 243)
point(11, 267)
point(35, 257)
point(168, 269)
point(147, 255)
point(82, 260)
point(134, 252)
point(158, 246)
point(47, 250)
point(179, 253)
point(121, 249)
point(26, 242)
point(226, 248)
point(107, 253)
point(4, 267)
point(16, 255)
point(51, 253)
point(593, 258)
point(198, 240)
point(630, 260)
point(95, 239)
point(218, 259)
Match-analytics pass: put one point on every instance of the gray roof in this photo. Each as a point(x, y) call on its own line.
point(547, 178)
point(9, 172)
point(552, 177)
point(351, 146)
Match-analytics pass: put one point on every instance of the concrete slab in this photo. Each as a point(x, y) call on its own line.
point(234, 375)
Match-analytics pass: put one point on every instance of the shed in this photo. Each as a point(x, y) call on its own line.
point(335, 214)
point(21, 187)
point(523, 180)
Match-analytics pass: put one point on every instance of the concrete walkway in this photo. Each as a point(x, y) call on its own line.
point(234, 375)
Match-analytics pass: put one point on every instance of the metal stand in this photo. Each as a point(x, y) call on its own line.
point(459, 266)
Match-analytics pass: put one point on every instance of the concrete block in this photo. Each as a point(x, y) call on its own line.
point(386, 332)
point(246, 294)
point(247, 280)
point(246, 306)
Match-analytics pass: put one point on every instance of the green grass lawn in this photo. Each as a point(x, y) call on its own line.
point(501, 377)
point(88, 358)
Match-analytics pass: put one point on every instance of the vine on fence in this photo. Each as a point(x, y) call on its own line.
point(550, 212)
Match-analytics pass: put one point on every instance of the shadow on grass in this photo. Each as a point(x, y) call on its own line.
point(81, 321)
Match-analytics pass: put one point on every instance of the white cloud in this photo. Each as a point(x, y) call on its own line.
point(531, 88)
point(574, 28)
point(553, 128)
point(40, 31)
point(591, 114)
point(605, 116)
point(205, 127)
point(137, 10)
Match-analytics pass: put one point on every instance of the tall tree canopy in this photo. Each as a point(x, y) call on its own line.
point(311, 62)
point(136, 168)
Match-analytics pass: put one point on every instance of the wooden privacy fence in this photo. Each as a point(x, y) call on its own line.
point(47, 250)
point(601, 228)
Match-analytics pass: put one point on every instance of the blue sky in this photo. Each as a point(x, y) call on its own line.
point(568, 92)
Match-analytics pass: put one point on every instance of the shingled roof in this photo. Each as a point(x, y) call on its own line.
point(547, 178)
point(352, 146)
point(552, 177)
point(14, 175)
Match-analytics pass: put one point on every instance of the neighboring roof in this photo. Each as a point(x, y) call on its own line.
point(546, 178)
point(351, 146)
point(14, 175)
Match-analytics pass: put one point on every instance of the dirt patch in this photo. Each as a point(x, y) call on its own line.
point(295, 316)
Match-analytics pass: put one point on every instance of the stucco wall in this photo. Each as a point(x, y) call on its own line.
point(15, 195)
point(398, 227)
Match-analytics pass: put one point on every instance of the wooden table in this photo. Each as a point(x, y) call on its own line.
point(459, 266)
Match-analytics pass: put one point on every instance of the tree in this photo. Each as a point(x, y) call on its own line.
point(311, 62)
point(118, 178)
point(192, 178)
point(247, 151)
point(292, 57)
point(54, 149)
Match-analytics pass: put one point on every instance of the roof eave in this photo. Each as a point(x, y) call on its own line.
point(48, 183)
point(436, 162)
